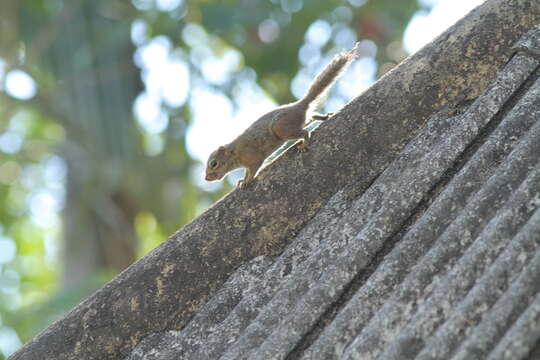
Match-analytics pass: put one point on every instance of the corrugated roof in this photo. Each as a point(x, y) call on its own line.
point(438, 258)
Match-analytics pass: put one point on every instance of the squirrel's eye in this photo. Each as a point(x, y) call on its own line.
point(213, 163)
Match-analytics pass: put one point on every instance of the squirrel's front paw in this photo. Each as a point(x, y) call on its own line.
point(302, 147)
point(241, 184)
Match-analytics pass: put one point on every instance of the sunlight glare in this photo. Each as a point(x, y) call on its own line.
point(8, 250)
point(20, 85)
point(319, 33)
point(167, 5)
point(139, 32)
point(44, 208)
point(363, 71)
point(425, 26)
point(268, 30)
point(10, 142)
point(149, 114)
point(9, 341)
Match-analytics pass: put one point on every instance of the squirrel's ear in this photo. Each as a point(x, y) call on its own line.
point(221, 148)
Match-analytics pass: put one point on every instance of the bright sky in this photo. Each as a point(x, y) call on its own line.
point(426, 25)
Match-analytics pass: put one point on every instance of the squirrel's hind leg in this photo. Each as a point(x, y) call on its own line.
point(302, 145)
point(295, 133)
point(290, 128)
point(288, 125)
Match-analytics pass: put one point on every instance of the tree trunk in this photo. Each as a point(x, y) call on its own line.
point(97, 84)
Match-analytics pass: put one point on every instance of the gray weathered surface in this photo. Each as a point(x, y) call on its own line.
point(161, 292)
point(439, 258)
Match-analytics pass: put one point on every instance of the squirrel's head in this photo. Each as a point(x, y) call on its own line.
point(218, 164)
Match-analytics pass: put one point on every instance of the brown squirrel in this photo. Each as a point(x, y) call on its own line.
point(274, 128)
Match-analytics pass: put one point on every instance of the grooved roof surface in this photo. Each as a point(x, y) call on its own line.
point(438, 259)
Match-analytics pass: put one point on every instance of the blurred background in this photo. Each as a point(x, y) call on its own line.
point(109, 108)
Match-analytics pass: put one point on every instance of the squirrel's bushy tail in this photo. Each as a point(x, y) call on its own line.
point(331, 72)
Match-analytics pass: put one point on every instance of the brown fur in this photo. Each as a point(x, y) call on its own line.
point(274, 128)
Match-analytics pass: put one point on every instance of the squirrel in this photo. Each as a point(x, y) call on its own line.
point(274, 128)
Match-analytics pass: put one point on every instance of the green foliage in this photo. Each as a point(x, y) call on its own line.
point(87, 177)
